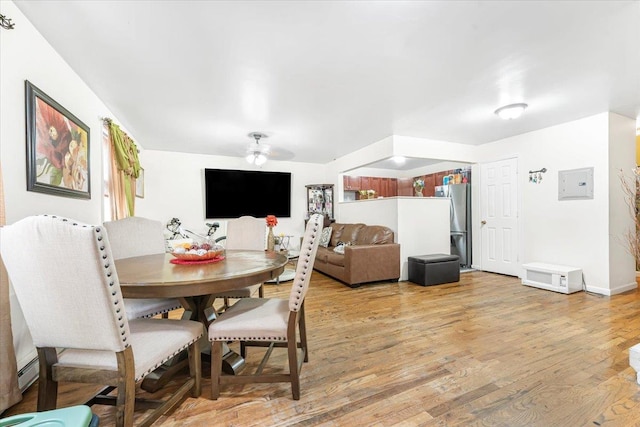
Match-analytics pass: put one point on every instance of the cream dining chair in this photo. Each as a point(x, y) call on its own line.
point(244, 233)
point(137, 236)
point(64, 277)
point(269, 322)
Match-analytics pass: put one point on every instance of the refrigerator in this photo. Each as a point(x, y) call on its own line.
point(460, 216)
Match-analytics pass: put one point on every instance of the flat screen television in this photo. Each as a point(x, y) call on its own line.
point(233, 193)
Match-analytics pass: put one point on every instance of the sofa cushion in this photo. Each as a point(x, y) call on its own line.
point(374, 235)
point(325, 237)
point(335, 258)
point(322, 254)
point(345, 233)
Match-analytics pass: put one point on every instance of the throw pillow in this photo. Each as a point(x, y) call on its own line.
point(325, 237)
point(339, 249)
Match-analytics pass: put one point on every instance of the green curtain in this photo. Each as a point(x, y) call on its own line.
point(127, 161)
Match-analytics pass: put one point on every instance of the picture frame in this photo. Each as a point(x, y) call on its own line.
point(140, 185)
point(58, 143)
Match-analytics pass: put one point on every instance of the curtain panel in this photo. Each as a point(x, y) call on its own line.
point(9, 390)
point(124, 170)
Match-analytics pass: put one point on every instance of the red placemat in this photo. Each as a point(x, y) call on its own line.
point(187, 262)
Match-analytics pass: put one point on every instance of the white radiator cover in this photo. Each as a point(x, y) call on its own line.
point(559, 278)
point(26, 354)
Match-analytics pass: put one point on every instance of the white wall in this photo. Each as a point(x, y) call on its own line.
point(174, 187)
point(574, 232)
point(26, 55)
point(420, 224)
point(622, 157)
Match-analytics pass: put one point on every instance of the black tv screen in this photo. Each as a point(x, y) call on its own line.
point(234, 193)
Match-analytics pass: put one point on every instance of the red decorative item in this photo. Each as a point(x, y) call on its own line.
point(272, 221)
point(189, 262)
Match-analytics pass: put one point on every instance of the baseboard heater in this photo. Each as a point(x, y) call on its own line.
point(28, 374)
point(552, 277)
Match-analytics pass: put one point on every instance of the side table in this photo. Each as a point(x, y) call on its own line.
point(288, 273)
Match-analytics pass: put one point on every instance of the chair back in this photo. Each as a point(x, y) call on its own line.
point(304, 267)
point(64, 277)
point(135, 236)
point(246, 233)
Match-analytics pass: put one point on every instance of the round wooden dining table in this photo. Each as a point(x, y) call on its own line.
point(155, 276)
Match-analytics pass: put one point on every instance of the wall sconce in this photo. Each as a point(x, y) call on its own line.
point(536, 176)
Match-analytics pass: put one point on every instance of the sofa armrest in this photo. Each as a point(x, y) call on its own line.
point(368, 263)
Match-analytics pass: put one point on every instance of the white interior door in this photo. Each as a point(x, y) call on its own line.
point(499, 216)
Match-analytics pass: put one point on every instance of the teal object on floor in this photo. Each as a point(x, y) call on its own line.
point(73, 416)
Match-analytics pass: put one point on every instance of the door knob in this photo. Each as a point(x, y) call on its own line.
point(483, 222)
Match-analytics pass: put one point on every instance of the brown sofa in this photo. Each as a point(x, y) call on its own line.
point(372, 255)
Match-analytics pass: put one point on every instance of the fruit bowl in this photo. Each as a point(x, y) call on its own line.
point(198, 251)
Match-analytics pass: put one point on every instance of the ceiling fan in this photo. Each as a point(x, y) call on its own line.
point(257, 153)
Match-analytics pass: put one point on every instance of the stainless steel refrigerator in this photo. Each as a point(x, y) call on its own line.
point(460, 196)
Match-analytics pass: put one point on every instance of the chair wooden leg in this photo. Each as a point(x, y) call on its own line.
point(294, 374)
point(216, 368)
point(261, 291)
point(243, 349)
point(125, 401)
point(195, 368)
point(47, 387)
point(302, 326)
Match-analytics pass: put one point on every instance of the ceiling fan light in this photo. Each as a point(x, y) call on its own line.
point(257, 154)
point(260, 159)
point(511, 111)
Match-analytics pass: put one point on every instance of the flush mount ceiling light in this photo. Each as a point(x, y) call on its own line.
point(511, 111)
point(257, 153)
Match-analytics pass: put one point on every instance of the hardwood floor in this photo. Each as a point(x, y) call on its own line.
point(486, 351)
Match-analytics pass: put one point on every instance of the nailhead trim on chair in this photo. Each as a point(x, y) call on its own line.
point(307, 260)
point(117, 303)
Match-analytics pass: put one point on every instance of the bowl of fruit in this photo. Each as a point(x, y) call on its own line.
point(198, 251)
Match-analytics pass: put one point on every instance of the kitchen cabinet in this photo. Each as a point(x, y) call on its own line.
point(365, 183)
point(351, 183)
point(393, 187)
point(376, 185)
point(429, 185)
point(405, 186)
point(384, 187)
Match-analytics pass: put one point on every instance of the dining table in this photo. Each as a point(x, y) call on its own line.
point(195, 285)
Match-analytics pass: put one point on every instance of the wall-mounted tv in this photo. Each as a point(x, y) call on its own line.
point(234, 193)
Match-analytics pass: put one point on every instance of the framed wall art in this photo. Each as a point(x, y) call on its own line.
point(57, 148)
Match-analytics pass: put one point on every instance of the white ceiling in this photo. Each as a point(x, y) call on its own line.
point(325, 78)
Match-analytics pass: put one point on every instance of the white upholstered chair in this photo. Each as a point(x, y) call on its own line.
point(244, 233)
point(64, 277)
point(136, 236)
point(269, 322)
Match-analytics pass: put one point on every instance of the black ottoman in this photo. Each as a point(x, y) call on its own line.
point(435, 269)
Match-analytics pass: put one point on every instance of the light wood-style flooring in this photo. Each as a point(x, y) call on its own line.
point(486, 351)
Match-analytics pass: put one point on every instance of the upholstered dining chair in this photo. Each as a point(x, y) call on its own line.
point(64, 277)
point(137, 236)
point(244, 233)
point(269, 322)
